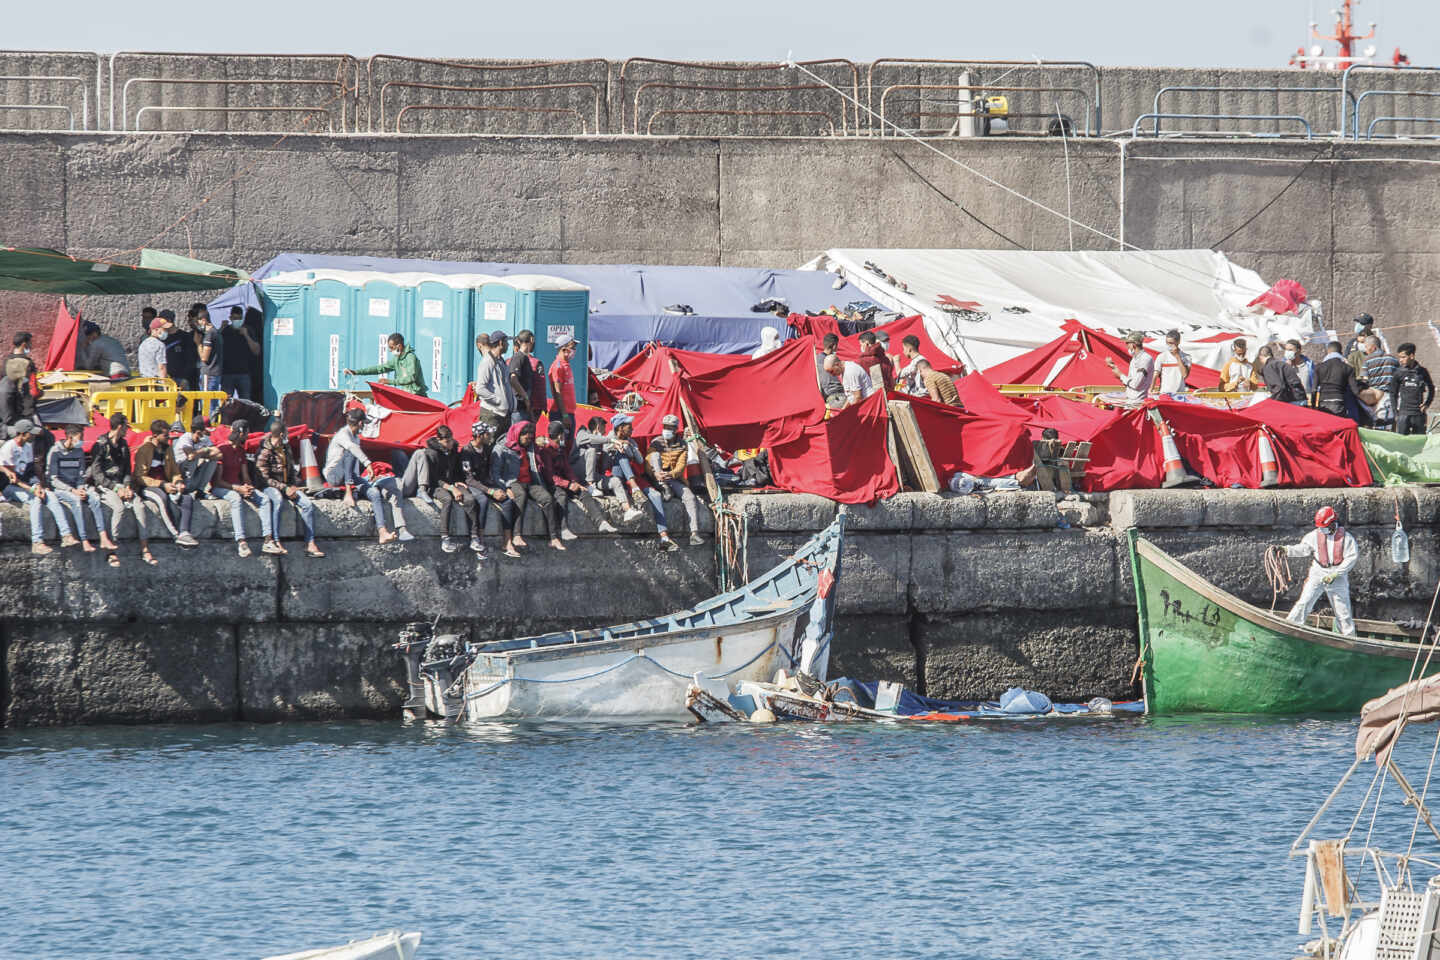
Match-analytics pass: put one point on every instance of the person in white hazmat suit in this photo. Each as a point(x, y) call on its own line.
point(1334, 552)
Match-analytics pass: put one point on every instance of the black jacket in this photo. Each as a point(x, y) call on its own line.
point(1283, 381)
point(1410, 389)
point(1334, 379)
point(109, 466)
point(475, 466)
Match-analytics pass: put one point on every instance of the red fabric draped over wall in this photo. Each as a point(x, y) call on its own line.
point(844, 458)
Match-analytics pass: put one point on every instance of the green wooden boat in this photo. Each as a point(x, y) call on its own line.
point(1204, 650)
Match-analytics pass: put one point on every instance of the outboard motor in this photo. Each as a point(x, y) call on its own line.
point(414, 638)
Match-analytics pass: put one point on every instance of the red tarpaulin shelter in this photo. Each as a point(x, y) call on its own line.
point(1077, 357)
point(983, 444)
point(844, 458)
point(60, 355)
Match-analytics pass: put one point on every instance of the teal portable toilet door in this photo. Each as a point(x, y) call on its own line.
point(381, 311)
point(559, 315)
point(285, 309)
point(327, 341)
point(443, 339)
point(497, 307)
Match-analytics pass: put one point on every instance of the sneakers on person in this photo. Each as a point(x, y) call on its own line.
point(606, 526)
point(448, 544)
point(595, 492)
point(186, 539)
point(567, 534)
point(668, 545)
point(405, 535)
point(478, 546)
point(242, 548)
point(40, 549)
point(631, 514)
point(272, 547)
point(696, 539)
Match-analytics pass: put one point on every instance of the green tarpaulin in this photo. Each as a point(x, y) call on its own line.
point(160, 260)
point(49, 271)
point(1396, 459)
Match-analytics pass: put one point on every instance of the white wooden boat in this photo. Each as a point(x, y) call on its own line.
point(391, 945)
point(781, 620)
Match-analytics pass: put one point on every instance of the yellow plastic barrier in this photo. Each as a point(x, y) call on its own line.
point(142, 407)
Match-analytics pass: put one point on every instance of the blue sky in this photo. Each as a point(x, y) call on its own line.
point(1239, 33)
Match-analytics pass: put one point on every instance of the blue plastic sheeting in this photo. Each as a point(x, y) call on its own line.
point(627, 302)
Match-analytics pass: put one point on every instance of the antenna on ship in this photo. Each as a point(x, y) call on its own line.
point(1344, 39)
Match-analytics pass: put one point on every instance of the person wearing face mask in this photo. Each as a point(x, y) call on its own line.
point(1334, 552)
point(402, 371)
point(1175, 366)
point(666, 459)
point(1238, 374)
point(1355, 348)
point(1304, 369)
point(1281, 378)
point(1141, 374)
point(277, 469)
point(515, 464)
point(157, 478)
point(241, 349)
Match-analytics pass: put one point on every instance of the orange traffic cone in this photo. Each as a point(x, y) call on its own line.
point(1269, 466)
point(1176, 473)
point(309, 467)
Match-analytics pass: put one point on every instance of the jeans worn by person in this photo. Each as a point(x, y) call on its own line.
point(77, 508)
point(19, 495)
point(623, 472)
point(255, 498)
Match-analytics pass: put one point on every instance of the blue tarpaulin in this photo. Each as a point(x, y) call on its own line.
point(628, 303)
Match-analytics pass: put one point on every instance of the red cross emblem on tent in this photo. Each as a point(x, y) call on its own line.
point(949, 302)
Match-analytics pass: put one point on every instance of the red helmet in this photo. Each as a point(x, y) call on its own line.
point(1325, 516)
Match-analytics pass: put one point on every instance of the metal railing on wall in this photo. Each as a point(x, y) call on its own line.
point(375, 100)
point(85, 83)
point(1275, 117)
point(1159, 113)
point(345, 81)
point(1086, 65)
point(467, 108)
point(53, 78)
point(977, 92)
point(1345, 84)
point(338, 96)
point(597, 93)
point(849, 120)
point(828, 120)
point(730, 112)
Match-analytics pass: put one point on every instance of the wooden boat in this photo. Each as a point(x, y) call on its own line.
point(1204, 650)
point(391, 945)
point(640, 670)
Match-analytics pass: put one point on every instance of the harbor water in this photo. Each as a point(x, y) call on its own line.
point(1122, 838)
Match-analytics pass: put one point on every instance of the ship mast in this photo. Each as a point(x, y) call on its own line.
point(1345, 34)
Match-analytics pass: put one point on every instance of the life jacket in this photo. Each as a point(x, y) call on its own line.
point(1329, 551)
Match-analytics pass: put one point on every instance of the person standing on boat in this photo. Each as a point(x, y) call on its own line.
point(1334, 552)
point(1141, 373)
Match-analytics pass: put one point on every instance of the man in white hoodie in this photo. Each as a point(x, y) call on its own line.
point(1334, 552)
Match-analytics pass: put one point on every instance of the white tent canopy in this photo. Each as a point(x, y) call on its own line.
point(988, 306)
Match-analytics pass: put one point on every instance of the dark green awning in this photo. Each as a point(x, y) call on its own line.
point(49, 271)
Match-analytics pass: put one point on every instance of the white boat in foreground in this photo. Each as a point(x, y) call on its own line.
point(391, 945)
point(782, 619)
point(1383, 904)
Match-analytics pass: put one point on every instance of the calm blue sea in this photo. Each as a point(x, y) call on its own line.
point(1128, 838)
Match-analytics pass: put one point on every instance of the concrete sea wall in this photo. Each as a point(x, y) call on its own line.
point(957, 596)
point(1353, 222)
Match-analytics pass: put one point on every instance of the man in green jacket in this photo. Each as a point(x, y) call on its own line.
point(403, 364)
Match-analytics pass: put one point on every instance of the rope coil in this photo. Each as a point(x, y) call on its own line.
point(1277, 571)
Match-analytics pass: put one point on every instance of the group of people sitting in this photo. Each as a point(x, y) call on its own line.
point(506, 474)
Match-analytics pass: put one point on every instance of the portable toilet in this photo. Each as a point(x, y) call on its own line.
point(554, 309)
point(383, 309)
point(444, 337)
point(327, 334)
point(287, 309)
